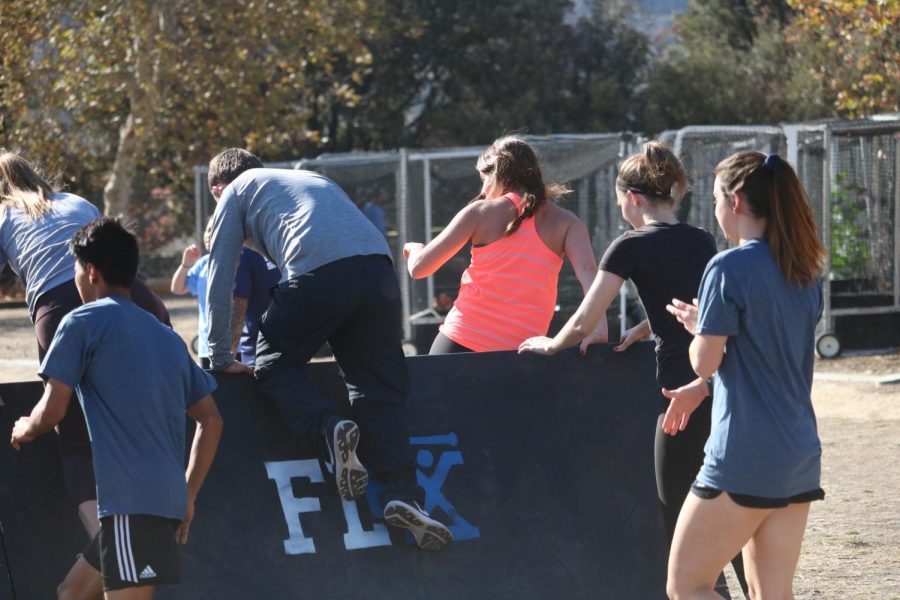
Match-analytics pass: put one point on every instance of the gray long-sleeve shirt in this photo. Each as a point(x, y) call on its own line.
point(300, 220)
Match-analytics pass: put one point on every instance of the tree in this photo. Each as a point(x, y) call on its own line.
point(127, 96)
point(732, 63)
point(115, 86)
point(857, 52)
point(449, 73)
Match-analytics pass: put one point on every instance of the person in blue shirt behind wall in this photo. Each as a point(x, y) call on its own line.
point(754, 328)
point(254, 281)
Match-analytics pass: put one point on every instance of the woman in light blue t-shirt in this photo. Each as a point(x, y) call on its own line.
point(754, 329)
point(36, 224)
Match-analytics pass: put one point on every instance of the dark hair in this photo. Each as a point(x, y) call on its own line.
point(771, 188)
point(514, 167)
point(226, 166)
point(110, 247)
point(655, 173)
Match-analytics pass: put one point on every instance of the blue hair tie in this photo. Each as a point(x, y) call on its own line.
point(770, 162)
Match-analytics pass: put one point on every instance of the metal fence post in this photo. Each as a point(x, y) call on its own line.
point(897, 222)
point(403, 229)
point(826, 227)
point(199, 212)
point(426, 184)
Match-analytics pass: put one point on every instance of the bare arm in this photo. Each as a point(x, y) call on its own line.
point(47, 413)
point(706, 354)
point(188, 259)
point(580, 254)
point(422, 260)
point(203, 450)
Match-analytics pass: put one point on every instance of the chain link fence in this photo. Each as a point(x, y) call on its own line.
point(850, 170)
point(412, 195)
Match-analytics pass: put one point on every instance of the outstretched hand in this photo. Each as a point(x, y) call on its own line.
point(683, 402)
point(685, 313)
point(538, 345)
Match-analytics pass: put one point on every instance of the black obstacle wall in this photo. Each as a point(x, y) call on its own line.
point(542, 468)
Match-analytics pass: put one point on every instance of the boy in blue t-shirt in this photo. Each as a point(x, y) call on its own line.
point(253, 284)
point(134, 380)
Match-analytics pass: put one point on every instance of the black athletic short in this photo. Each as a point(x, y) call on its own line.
point(747, 501)
point(135, 550)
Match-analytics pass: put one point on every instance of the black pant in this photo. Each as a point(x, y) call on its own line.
point(354, 305)
point(444, 345)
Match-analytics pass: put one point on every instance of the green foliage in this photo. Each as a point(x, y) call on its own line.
point(765, 61)
point(731, 64)
point(858, 48)
point(451, 73)
point(126, 97)
point(160, 87)
point(849, 236)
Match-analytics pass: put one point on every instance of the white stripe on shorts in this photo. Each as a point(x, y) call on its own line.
point(123, 548)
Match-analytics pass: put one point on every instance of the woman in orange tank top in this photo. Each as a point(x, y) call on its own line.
point(519, 238)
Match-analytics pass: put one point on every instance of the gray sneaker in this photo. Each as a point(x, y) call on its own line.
point(429, 534)
point(349, 474)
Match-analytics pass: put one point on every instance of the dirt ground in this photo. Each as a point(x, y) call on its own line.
point(852, 545)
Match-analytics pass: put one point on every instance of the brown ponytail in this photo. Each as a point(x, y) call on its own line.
point(22, 187)
point(774, 193)
point(655, 173)
point(513, 165)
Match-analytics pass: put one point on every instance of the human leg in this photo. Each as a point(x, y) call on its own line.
point(367, 347)
point(678, 460)
point(87, 512)
point(772, 552)
point(444, 345)
point(136, 593)
point(709, 533)
point(82, 582)
point(135, 552)
point(303, 314)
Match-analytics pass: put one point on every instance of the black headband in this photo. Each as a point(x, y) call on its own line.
point(647, 191)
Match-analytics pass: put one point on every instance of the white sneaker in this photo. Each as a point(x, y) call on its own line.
point(429, 534)
point(349, 474)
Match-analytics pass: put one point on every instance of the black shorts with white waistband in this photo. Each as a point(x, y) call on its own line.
point(748, 501)
point(135, 550)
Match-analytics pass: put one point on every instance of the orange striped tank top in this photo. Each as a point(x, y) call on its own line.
point(508, 293)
